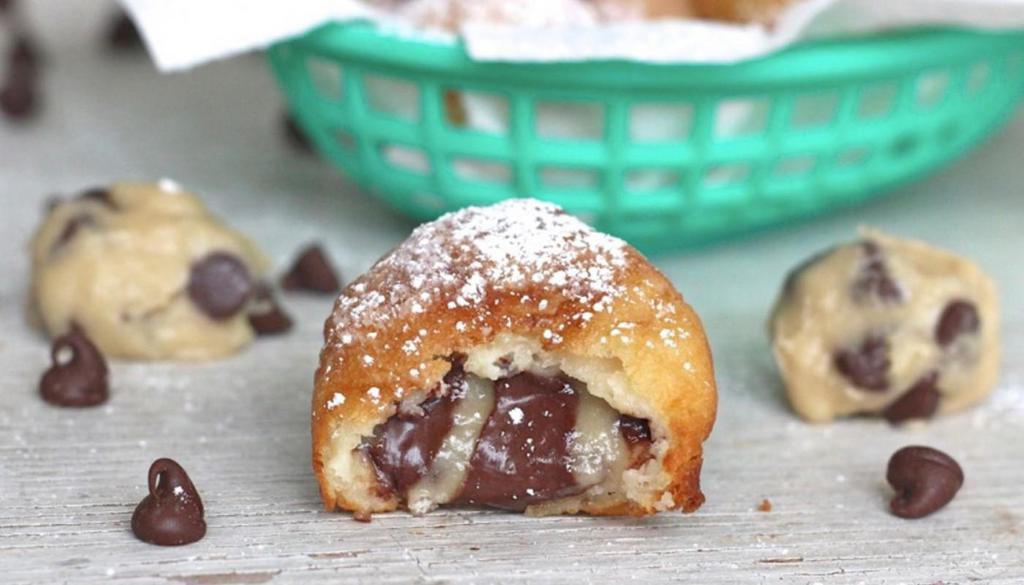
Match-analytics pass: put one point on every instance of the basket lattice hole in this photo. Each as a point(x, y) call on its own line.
point(326, 77)
point(877, 101)
point(484, 171)
point(795, 167)
point(904, 146)
point(741, 117)
point(393, 97)
point(932, 88)
point(979, 77)
point(569, 120)
point(483, 112)
point(815, 110)
point(566, 179)
point(853, 157)
point(346, 141)
point(649, 180)
point(405, 158)
point(726, 174)
point(660, 122)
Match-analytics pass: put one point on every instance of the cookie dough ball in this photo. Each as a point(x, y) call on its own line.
point(613, 10)
point(886, 326)
point(146, 272)
point(511, 356)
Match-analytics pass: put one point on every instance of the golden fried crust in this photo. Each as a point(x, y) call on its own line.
point(522, 268)
point(763, 11)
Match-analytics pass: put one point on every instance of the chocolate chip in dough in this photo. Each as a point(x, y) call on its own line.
point(265, 314)
point(294, 134)
point(71, 228)
point(920, 401)
point(874, 280)
point(925, 480)
point(219, 285)
point(99, 195)
point(122, 34)
point(311, 272)
point(958, 318)
point(867, 365)
point(172, 513)
point(81, 378)
point(634, 430)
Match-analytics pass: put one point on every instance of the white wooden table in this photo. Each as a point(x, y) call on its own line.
point(69, 479)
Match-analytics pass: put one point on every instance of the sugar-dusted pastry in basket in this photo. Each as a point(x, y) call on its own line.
point(763, 11)
point(512, 357)
point(886, 326)
point(146, 272)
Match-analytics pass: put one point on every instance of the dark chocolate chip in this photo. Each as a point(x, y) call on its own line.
point(295, 136)
point(265, 314)
point(219, 285)
point(874, 280)
point(172, 513)
point(634, 430)
point(311, 272)
point(522, 455)
point(71, 228)
point(920, 401)
point(18, 96)
point(867, 365)
point(925, 480)
point(122, 34)
point(99, 195)
point(958, 318)
point(80, 380)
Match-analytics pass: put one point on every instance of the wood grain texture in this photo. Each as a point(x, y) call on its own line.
point(69, 480)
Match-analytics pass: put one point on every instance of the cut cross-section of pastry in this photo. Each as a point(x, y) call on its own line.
point(512, 357)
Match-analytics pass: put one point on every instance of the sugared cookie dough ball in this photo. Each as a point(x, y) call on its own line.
point(886, 326)
point(146, 272)
point(763, 11)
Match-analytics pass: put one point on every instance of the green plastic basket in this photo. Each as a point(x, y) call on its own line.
point(817, 127)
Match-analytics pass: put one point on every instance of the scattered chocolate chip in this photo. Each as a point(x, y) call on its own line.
point(18, 95)
point(98, 194)
point(866, 366)
point(122, 34)
point(294, 134)
point(311, 272)
point(219, 285)
point(634, 430)
point(874, 280)
point(925, 480)
point(920, 401)
point(71, 228)
point(958, 318)
point(81, 379)
point(265, 314)
point(172, 513)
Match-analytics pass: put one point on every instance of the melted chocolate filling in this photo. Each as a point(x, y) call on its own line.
point(522, 456)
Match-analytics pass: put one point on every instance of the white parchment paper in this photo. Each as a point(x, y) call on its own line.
point(184, 33)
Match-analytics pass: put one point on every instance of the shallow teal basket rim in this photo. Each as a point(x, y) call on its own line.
point(808, 62)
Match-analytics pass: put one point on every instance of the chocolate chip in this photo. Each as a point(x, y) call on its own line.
point(18, 96)
point(294, 134)
point(958, 318)
point(925, 480)
point(311, 272)
point(172, 513)
point(874, 280)
point(219, 285)
point(634, 430)
point(866, 366)
point(71, 228)
point(920, 401)
point(122, 34)
point(81, 379)
point(265, 314)
point(99, 195)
